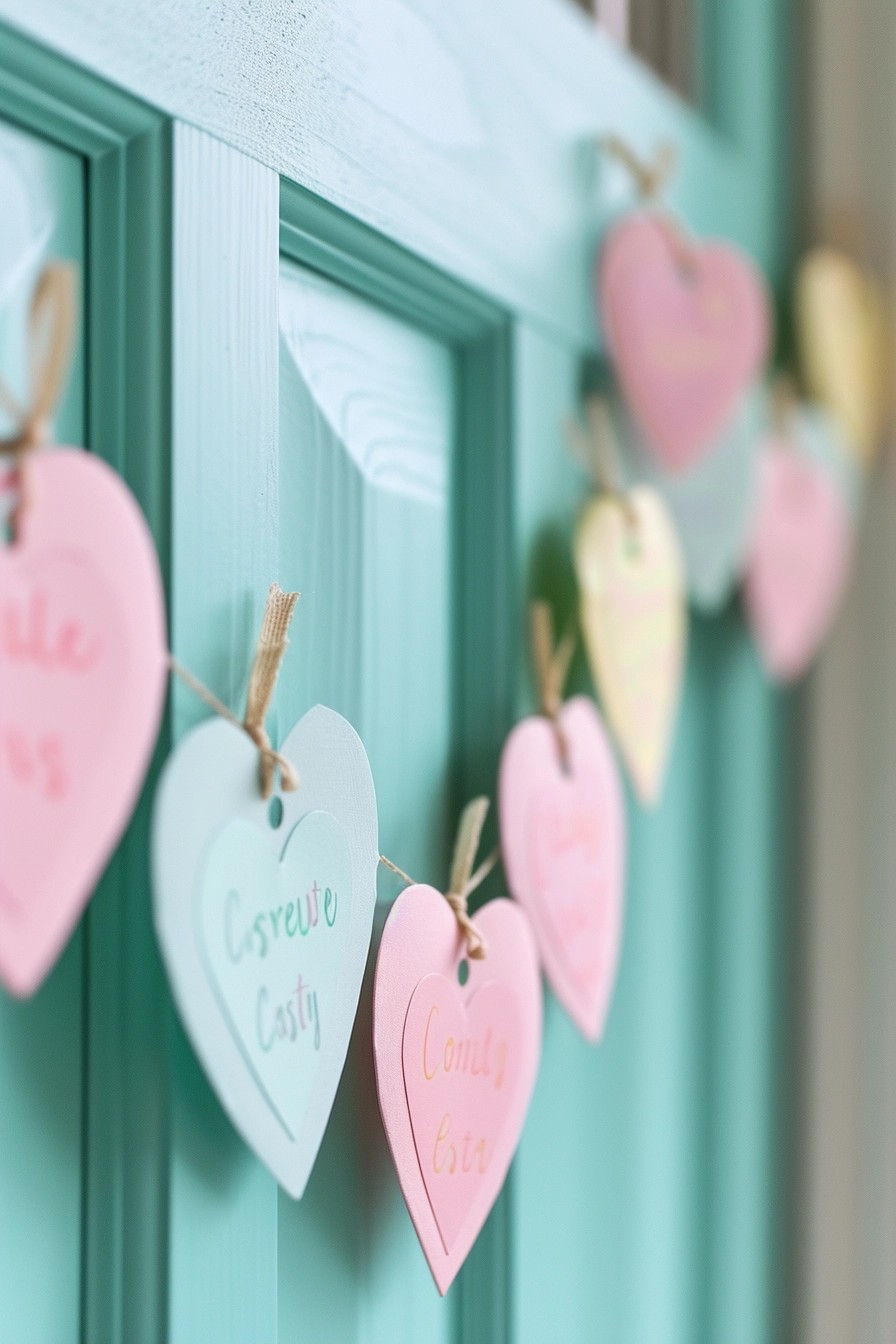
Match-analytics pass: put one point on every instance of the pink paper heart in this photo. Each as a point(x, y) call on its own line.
point(798, 561)
point(82, 680)
point(687, 332)
point(563, 844)
point(423, 1021)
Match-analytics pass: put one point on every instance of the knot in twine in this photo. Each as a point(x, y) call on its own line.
point(551, 664)
point(463, 880)
point(649, 178)
point(272, 645)
point(51, 335)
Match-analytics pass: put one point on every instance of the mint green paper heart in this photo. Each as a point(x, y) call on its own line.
point(272, 936)
point(211, 830)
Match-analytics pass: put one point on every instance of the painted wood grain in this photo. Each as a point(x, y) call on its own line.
point(366, 443)
point(465, 132)
point(225, 515)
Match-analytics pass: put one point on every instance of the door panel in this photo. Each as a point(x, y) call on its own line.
point(366, 442)
point(355, 426)
point(41, 1044)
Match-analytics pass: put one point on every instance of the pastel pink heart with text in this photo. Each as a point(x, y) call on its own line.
point(687, 325)
point(83, 667)
point(563, 844)
point(798, 561)
point(455, 1064)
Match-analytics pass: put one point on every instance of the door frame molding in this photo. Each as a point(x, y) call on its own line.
point(126, 292)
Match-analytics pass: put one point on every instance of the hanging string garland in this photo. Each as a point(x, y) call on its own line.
point(687, 323)
point(265, 858)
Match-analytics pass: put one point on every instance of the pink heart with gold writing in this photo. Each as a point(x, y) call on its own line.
point(563, 844)
point(799, 558)
point(455, 1062)
point(82, 680)
point(688, 328)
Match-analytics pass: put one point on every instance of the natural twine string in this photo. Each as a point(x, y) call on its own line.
point(597, 453)
point(52, 320)
point(464, 880)
point(551, 664)
point(272, 645)
point(650, 178)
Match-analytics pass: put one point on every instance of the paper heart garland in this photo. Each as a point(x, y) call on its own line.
point(265, 930)
point(563, 845)
point(711, 503)
point(798, 561)
point(844, 345)
point(634, 621)
point(455, 1065)
point(83, 667)
point(687, 333)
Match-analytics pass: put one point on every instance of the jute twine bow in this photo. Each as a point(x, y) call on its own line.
point(272, 644)
point(649, 178)
point(52, 319)
point(551, 665)
point(464, 880)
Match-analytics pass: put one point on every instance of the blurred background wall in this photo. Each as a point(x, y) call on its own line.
point(845, 1132)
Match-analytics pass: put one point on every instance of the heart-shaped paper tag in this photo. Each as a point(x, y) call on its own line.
point(265, 930)
point(634, 621)
point(563, 845)
point(83, 666)
point(843, 341)
point(711, 503)
point(687, 333)
point(455, 1065)
point(799, 558)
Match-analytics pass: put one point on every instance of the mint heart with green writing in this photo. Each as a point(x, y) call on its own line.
point(264, 915)
point(273, 935)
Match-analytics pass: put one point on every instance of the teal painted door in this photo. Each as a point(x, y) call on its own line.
point(41, 1043)
point(347, 368)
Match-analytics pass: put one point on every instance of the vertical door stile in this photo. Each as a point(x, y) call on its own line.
point(223, 1203)
point(486, 620)
point(127, 289)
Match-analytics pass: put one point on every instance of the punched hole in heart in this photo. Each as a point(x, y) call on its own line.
point(463, 971)
point(275, 812)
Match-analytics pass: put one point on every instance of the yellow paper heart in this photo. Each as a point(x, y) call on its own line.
point(634, 621)
point(844, 346)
